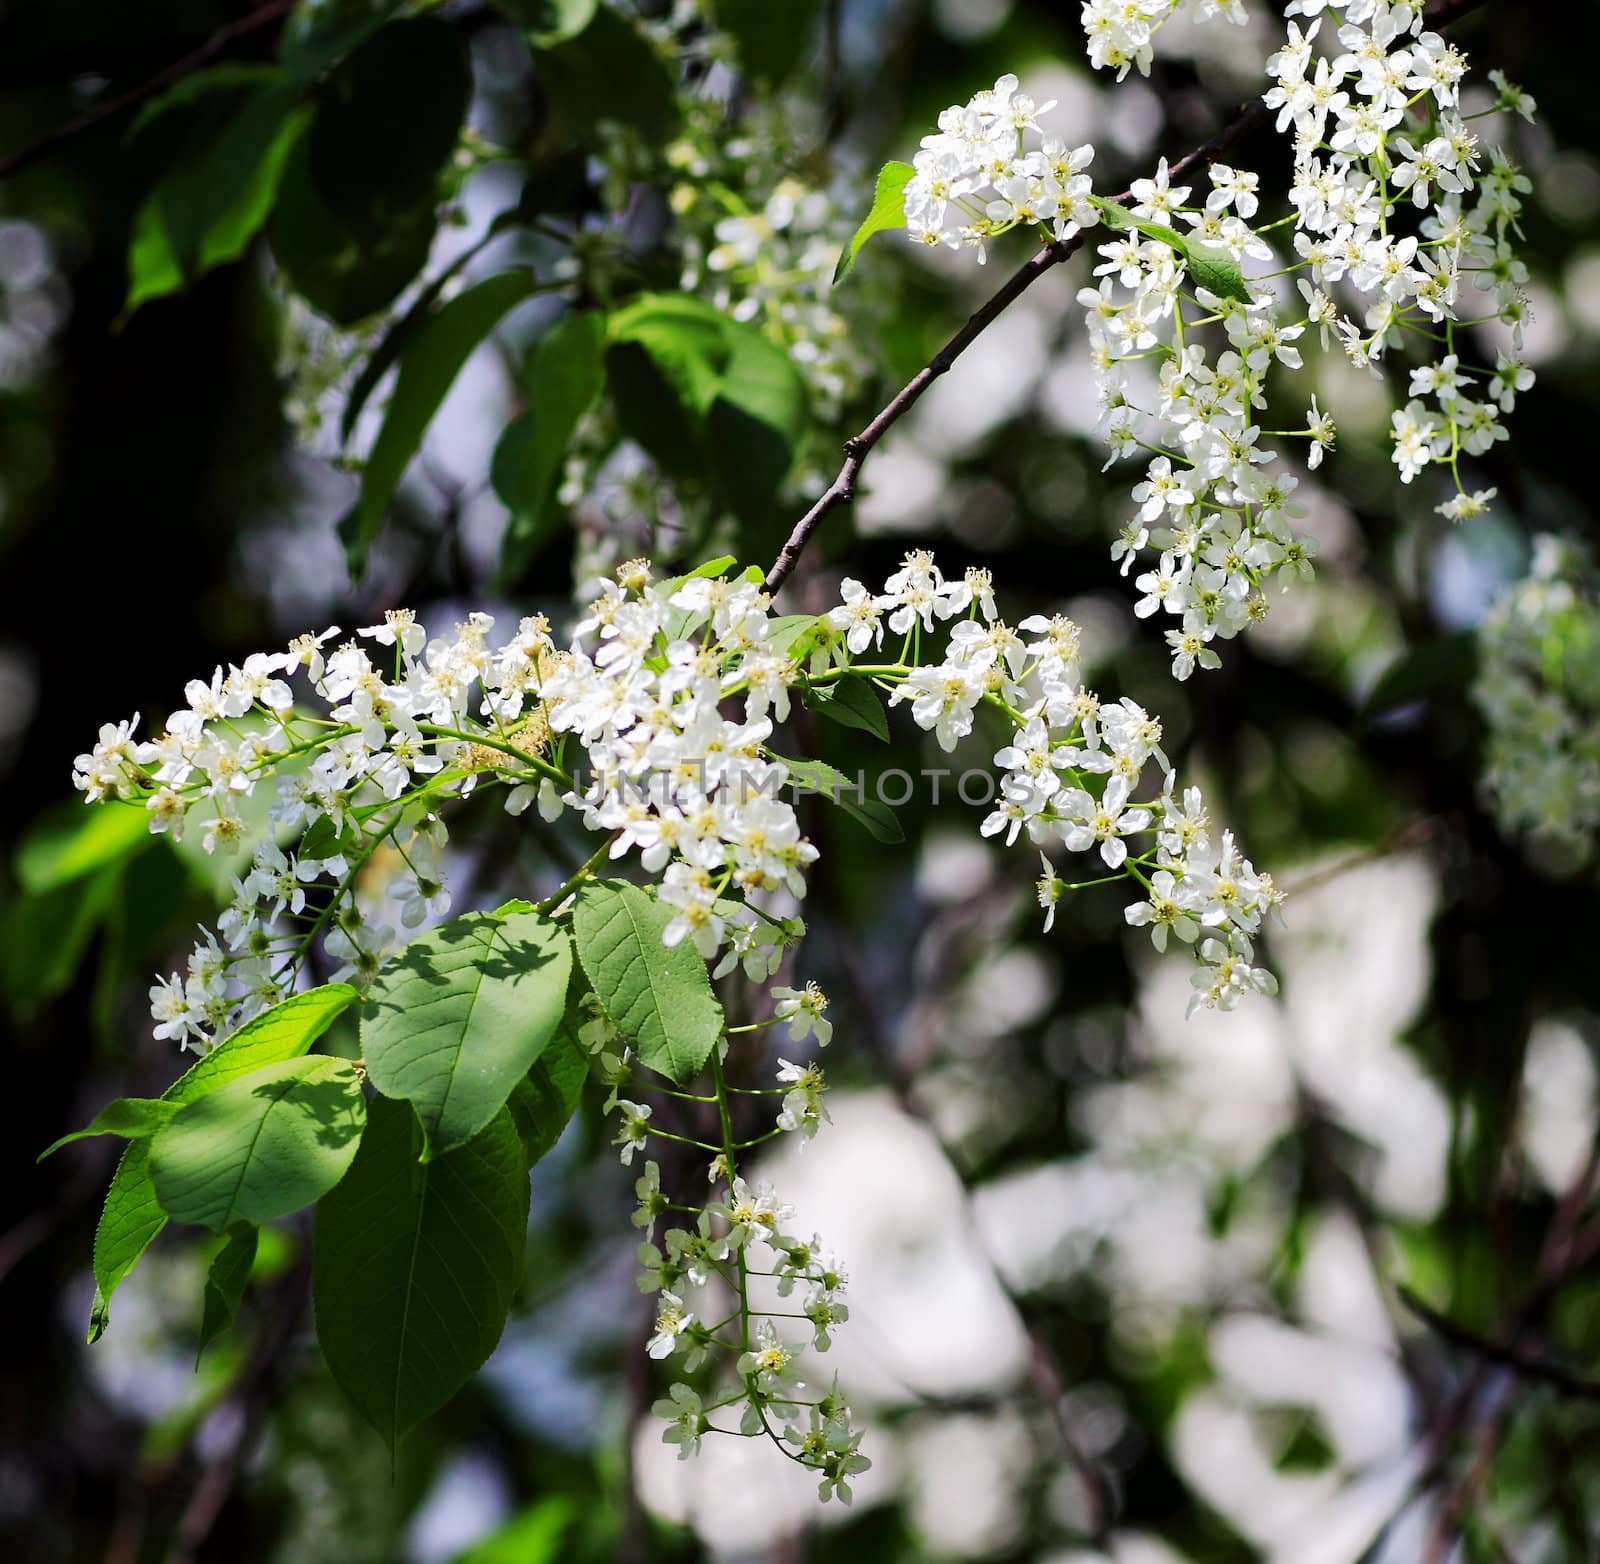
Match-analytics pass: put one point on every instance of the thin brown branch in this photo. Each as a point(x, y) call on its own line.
point(218, 43)
point(842, 491)
point(1530, 1365)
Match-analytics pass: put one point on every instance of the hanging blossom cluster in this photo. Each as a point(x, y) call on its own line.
point(1389, 211)
point(1121, 34)
point(362, 764)
point(1077, 772)
point(738, 1287)
point(1394, 202)
point(1538, 688)
point(976, 177)
point(626, 725)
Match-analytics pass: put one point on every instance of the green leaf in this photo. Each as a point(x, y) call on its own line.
point(657, 996)
point(346, 266)
point(770, 38)
point(853, 703)
point(533, 1537)
point(70, 841)
point(261, 1146)
point(834, 785)
point(608, 71)
point(225, 1283)
point(428, 368)
point(565, 374)
point(129, 1221)
point(461, 1014)
point(550, 21)
point(283, 1031)
point(1208, 267)
point(356, 212)
point(754, 427)
point(382, 358)
point(888, 211)
point(544, 1100)
point(704, 393)
point(390, 116)
point(686, 339)
point(1216, 271)
point(47, 936)
point(416, 1264)
point(317, 36)
point(133, 1118)
point(132, 1215)
point(205, 211)
point(789, 632)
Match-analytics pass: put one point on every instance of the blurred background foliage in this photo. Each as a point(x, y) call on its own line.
point(1120, 1286)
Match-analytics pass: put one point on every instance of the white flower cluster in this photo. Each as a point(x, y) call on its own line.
point(1073, 768)
point(1538, 688)
point(737, 1287)
point(1121, 32)
point(639, 688)
point(694, 792)
point(976, 177)
point(1377, 133)
point(1378, 130)
point(628, 726)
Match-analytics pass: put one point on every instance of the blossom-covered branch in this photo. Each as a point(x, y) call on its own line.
point(1047, 189)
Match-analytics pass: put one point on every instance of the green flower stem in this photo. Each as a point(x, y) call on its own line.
point(584, 872)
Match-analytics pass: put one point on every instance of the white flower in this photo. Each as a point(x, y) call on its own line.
point(634, 1132)
point(685, 1418)
point(671, 1323)
point(804, 1009)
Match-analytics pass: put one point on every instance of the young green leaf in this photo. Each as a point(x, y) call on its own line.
point(428, 368)
point(217, 196)
point(261, 1146)
point(658, 996)
point(70, 841)
point(852, 703)
point(133, 1118)
point(415, 1265)
point(1215, 271)
point(888, 211)
point(132, 1215)
point(461, 1014)
point(834, 785)
point(789, 632)
point(1208, 267)
point(225, 1283)
point(753, 429)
